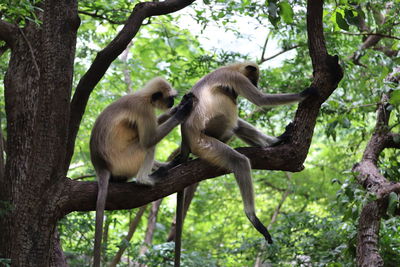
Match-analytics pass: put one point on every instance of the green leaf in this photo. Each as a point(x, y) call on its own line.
point(341, 22)
point(393, 203)
point(395, 98)
point(286, 12)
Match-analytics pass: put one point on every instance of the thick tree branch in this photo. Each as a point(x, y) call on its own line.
point(105, 57)
point(8, 32)
point(82, 195)
point(368, 174)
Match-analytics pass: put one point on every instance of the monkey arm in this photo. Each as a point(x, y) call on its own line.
point(165, 116)
point(244, 87)
point(181, 112)
point(148, 139)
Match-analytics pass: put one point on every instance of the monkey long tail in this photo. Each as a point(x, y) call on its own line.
point(179, 225)
point(103, 178)
point(259, 226)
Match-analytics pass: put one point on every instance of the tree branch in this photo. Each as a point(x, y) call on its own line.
point(8, 31)
point(81, 196)
point(105, 57)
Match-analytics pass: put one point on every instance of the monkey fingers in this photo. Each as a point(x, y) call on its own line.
point(184, 108)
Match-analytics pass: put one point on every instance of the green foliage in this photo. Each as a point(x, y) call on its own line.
point(21, 11)
point(162, 255)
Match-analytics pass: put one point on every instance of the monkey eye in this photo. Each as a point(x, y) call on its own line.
point(156, 96)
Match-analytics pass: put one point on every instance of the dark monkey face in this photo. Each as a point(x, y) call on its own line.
point(170, 101)
point(161, 102)
point(252, 73)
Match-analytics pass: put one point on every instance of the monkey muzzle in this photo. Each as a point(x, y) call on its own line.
point(170, 102)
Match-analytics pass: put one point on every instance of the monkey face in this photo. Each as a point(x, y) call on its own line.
point(252, 73)
point(161, 102)
point(170, 101)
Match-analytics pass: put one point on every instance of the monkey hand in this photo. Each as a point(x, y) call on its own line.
point(310, 91)
point(284, 138)
point(185, 107)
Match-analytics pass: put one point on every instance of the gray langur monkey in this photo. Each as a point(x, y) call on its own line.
point(123, 139)
point(214, 120)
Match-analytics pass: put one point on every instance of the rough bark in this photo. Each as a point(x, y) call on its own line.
point(368, 236)
point(58, 258)
point(37, 92)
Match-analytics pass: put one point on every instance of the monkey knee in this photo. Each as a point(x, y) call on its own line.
point(242, 163)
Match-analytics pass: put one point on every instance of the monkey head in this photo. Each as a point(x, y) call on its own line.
point(161, 93)
point(248, 69)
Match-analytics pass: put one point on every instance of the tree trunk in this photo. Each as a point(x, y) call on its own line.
point(37, 92)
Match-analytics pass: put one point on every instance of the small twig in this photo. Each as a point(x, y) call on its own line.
point(262, 60)
point(264, 48)
point(31, 51)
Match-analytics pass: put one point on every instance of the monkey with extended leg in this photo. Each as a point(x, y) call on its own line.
point(124, 136)
point(215, 120)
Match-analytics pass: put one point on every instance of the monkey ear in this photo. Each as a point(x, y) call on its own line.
point(251, 68)
point(156, 96)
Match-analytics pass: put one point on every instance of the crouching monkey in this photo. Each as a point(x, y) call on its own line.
point(123, 139)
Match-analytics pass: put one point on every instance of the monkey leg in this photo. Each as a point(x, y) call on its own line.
point(179, 156)
point(103, 177)
point(220, 154)
point(142, 176)
point(252, 136)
